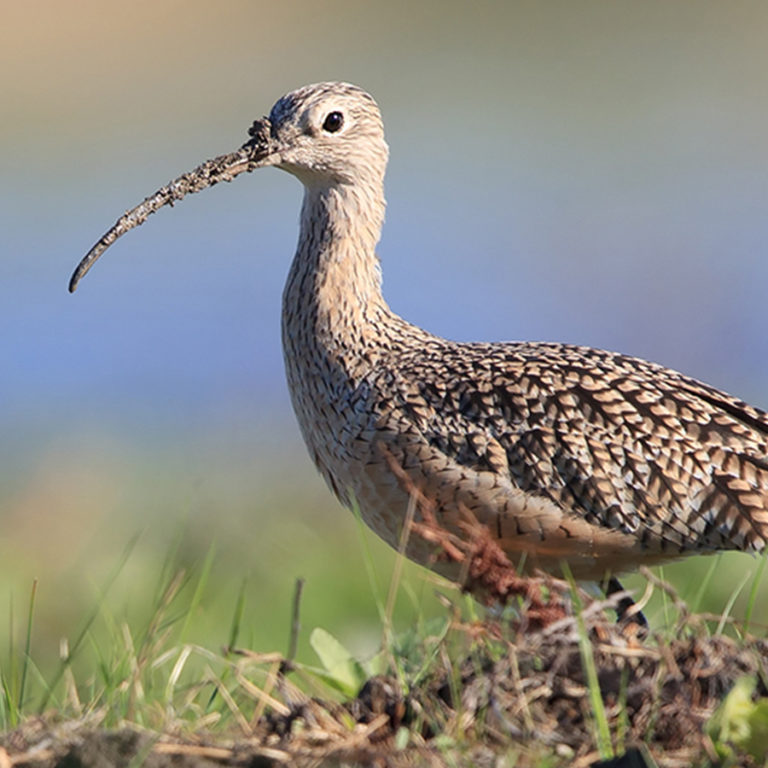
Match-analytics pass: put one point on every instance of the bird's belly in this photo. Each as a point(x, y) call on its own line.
point(532, 531)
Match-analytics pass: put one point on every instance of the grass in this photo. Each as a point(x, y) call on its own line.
point(194, 645)
point(602, 729)
point(460, 686)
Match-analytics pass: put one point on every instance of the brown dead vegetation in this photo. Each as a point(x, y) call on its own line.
point(533, 700)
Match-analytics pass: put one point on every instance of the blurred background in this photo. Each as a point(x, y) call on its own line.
point(588, 172)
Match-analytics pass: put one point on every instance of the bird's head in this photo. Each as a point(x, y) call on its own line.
point(328, 135)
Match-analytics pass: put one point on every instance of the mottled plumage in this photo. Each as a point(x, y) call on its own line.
point(565, 453)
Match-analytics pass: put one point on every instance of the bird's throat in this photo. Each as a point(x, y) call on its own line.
point(333, 291)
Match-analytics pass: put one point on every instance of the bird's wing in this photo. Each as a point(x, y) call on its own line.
point(621, 443)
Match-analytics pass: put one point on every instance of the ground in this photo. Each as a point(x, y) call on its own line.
point(522, 695)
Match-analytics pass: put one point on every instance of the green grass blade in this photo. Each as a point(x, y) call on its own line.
point(234, 634)
point(293, 635)
point(695, 605)
point(237, 618)
point(27, 646)
point(602, 730)
point(9, 714)
point(664, 597)
point(753, 592)
point(198, 593)
point(362, 531)
point(397, 574)
point(88, 623)
point(729, 605)
point(9, 677)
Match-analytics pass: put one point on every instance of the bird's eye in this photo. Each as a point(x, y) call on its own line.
point(333, 122)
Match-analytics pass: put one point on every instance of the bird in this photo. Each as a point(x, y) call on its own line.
point(568, 457)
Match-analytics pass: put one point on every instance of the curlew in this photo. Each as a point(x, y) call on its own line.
point(566, 454)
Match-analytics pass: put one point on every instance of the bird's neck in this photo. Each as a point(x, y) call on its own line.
point(333, 298)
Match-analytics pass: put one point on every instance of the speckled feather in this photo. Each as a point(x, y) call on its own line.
point(565, 453)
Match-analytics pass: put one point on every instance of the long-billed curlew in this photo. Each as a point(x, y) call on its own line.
point(565, 453)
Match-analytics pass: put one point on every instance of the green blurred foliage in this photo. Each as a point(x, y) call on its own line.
point(69, 524)
point(741, 722)
point(254, 526)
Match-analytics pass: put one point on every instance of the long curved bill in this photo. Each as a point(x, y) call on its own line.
point(256, 153)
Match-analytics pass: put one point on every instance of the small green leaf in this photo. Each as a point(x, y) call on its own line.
point(376, 665)
point(402, 737)
point(740, 721)
point(344, 672)
point(442, 742)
